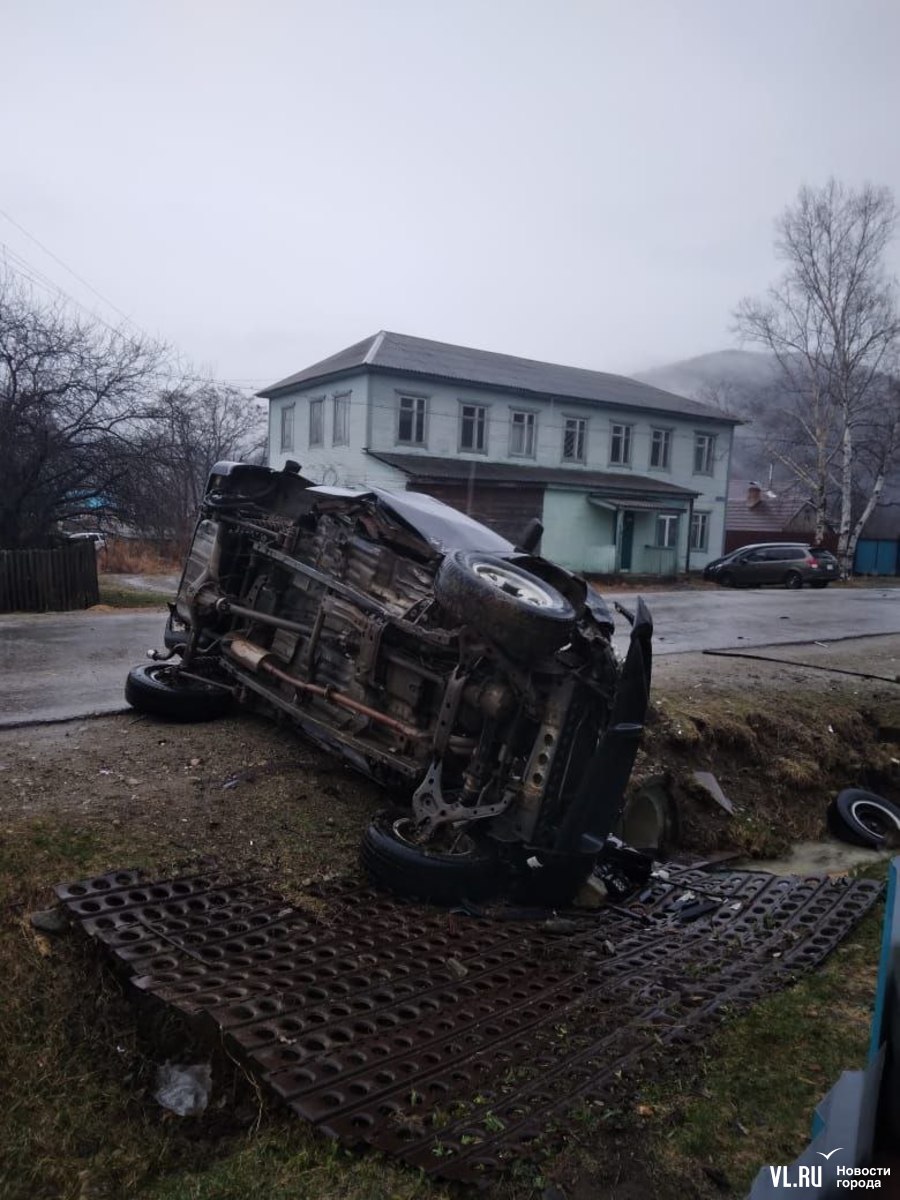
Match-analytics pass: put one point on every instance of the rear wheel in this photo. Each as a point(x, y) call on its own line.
point(521, 613)
point(793, 580)
point(459, 866)
point(161, 690)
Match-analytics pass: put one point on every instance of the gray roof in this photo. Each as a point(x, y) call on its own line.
point(397, 353)
point(424, 469)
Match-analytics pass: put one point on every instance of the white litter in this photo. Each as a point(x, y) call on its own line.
point(183, 1090)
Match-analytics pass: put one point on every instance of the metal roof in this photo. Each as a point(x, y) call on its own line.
point(425, 469)
point(398, 353)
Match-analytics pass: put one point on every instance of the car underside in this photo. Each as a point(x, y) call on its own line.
point(475, 681)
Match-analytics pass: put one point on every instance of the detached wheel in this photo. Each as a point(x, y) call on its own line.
point(460, 867)
point(793, 580)
point(521, 613)
point(160, 690)
point(864, 819)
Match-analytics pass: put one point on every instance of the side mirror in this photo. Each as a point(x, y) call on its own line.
point(531, 536)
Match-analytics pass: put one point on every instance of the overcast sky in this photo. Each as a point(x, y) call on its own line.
point(262, 183)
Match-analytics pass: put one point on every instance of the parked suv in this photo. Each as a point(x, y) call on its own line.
point(474, 679)
point(789, 563)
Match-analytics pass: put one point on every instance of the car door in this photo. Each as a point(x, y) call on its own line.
point(751, 568)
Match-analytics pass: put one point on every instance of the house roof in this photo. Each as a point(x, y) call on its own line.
point(398, 353)
point(771, 515)
point(424, 469)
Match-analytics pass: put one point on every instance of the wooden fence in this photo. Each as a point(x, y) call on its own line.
point(49, 580)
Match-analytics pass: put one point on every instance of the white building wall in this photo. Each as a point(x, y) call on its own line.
point(374, 425)
point(347, 466)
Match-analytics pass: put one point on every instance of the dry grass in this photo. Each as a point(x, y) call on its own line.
point(130, 556)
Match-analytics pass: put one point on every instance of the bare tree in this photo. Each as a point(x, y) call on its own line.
point(72, 394)
point(195, 425)
point(832, 324)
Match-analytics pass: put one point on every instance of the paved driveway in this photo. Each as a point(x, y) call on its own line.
point(74, 664)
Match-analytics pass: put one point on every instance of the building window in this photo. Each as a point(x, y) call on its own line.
point(287, 427)
point(473, 427)
point(704, 453)
point(317, 421)
point(411, 420)
point(667, 530)
point(660, 448)
point(699, 531)
point(574, 439)
point(340, 429)
point(521, 434)
point(620, 445)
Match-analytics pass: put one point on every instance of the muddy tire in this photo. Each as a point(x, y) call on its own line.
point(793, 580)
point(159, 690)
point(864, 819)
point(394, 862)
point(525, 616)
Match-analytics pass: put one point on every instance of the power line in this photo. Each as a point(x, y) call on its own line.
point(72, 272)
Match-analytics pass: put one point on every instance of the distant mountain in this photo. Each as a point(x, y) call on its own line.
point(741, 382)
point(734, 368)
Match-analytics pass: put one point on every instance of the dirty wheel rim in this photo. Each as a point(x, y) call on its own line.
point(513, 584)
point(876, 820)
point(460, 844)
point(792, 580)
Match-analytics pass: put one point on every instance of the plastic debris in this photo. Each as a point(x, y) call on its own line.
point(710, 784)
point(183, 1090)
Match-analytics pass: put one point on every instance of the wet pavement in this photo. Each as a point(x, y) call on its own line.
point(54, 666)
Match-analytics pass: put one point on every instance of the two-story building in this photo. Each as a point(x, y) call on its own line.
point(624, 476)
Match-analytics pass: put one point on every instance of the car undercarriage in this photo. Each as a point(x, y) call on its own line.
point(475, 681)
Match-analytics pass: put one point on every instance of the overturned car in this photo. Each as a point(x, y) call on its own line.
point(475, 680)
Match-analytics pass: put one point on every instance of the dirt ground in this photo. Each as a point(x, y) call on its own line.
point(80, 797)
point(247, 791)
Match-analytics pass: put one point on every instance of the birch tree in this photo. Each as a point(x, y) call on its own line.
point(831, 322)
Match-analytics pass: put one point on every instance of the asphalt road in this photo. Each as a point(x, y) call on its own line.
point(58, 666)
point(736, 619)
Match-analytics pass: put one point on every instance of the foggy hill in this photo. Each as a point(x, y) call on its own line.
point(742, 382)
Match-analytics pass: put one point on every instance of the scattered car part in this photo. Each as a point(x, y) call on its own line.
point(711, 786)
point(351, 1012)
point(864, 819)
point(475, 680)
point(649, 820)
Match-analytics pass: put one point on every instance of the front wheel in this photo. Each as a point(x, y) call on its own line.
point(520, 612)
point(793, 580)
point(726, 579)
point(459, 867)
point(161, 690)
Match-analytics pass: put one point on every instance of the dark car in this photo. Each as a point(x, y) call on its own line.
point(475, 680)
point(788, 563)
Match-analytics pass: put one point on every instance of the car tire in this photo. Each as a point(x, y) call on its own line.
point(158, 690)
point(726, 579)
point(864, 819)
point(793, 580)
point(524, 615)
point(393, 862)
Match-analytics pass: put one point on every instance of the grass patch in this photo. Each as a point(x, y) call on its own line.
point(116, 596)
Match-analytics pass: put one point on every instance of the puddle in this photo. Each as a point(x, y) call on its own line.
point(820, 858)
